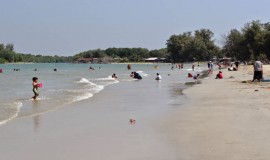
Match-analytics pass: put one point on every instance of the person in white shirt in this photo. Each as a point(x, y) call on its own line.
point(258, 71)
point(158, 77)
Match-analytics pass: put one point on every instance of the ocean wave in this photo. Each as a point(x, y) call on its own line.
point(82, 97)
point(9, 112)
point(85, 81)
point(142, 73)
point(97, 89)
point(109, 78)
point(129, 80)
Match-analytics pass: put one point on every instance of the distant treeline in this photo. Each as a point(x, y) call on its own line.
point(124, 54)
point(247, 44)
point(193, 46)
point(8, 55)
point(250, 43)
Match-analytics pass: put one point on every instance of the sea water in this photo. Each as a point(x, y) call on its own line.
point(75, 82)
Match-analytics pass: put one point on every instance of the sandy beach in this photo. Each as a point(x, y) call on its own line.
point(224, 119)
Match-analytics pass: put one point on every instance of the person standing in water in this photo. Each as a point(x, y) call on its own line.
point(35, 87)
point(129, 67)
point(158, 77)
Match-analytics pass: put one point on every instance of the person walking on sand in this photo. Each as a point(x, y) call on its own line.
point(258, 71)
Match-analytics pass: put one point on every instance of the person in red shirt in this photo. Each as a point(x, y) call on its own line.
point(219, 75)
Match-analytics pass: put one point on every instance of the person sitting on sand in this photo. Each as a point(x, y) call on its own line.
point(190, 75)
point(114, 76)
point(219, 75)
point(158, 77)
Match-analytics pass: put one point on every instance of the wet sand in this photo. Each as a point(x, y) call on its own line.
point(224, 120)
point(97, 128)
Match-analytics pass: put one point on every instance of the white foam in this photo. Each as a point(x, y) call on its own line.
point(142, 73)
point(85, 81)
point(82, 97)
point(129, 80)
point(98, 88)
point(109, 78)
point(17, 106)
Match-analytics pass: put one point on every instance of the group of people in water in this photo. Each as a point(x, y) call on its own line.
point(135, 75)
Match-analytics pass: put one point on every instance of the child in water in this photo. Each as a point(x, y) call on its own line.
point(35, 87)
point(114, 76)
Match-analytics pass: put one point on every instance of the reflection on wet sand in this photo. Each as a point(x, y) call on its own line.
point(36, 119)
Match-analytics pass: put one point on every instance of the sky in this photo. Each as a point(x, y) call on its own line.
point(67, 27)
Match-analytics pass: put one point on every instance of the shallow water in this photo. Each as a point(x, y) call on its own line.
point(75, 82)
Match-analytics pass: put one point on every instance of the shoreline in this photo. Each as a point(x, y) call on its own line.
point(98, 128)
point(223, 119)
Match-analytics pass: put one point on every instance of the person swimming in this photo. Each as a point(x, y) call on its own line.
point(190, 75)
point(35, 87)
point(196, 77)
point(132, 74)
point(114, 76)
point(137, 75)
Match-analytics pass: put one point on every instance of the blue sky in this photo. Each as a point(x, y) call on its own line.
point(66, 27)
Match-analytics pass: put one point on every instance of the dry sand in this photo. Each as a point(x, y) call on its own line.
point(225, 119)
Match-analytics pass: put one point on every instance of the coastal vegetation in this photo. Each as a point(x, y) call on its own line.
point(190, 46)
point(251, 42)
point(8, 55)
point(124, 54)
